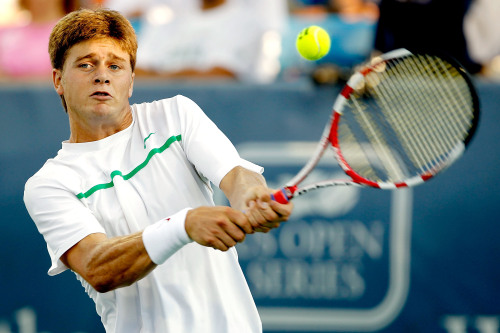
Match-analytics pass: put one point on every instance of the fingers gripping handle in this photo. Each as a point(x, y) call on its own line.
point(284, 195)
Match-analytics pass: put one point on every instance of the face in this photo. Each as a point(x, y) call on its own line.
point(96, 81)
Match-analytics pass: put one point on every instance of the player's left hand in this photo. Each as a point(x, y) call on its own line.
point(264, 213)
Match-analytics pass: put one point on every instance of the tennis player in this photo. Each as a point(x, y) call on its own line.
point(126, 204)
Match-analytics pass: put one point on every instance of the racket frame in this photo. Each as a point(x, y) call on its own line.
point(329, 136)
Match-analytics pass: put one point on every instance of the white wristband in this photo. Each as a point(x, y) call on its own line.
point(165, 237)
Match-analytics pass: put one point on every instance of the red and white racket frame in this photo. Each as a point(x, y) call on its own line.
point(330, 137)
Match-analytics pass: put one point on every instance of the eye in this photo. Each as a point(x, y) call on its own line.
point(84, 65)
point(114, 67)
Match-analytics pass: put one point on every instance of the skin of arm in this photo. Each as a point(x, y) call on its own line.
point(110, 263)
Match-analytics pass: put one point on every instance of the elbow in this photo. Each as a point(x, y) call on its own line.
point(100, 285)
point(100, 277)
point(106, 286)
point(102, 288)
point(104, 283)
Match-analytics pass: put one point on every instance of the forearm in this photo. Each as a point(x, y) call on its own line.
point(116, 262)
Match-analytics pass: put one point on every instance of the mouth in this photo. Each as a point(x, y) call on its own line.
point(101, 95)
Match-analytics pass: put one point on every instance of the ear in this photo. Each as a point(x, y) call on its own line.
point(57, 80)
point(131, 88)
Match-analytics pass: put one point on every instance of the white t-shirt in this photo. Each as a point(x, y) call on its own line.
point(159, 165)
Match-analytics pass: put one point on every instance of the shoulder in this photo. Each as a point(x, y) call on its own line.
point(166, 105)
point(171, 110)
point(54, 175)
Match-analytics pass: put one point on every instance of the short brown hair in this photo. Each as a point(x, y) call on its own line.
point(87, 24)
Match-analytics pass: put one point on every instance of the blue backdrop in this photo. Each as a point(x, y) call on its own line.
point(422, 260)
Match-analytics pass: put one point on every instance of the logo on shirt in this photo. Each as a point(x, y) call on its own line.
point(148, 138)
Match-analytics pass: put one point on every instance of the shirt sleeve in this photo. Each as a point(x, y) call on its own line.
point(211, 152)
point(60, 217)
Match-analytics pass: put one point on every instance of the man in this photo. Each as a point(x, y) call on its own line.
point(126, 204)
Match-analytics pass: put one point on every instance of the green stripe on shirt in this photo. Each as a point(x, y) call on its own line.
point(132, 173)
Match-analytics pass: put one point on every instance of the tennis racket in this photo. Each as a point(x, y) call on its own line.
point(399, 121)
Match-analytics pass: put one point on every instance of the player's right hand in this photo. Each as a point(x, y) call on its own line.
point(218, 227)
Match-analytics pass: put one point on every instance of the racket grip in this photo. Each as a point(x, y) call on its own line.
point(284, 195)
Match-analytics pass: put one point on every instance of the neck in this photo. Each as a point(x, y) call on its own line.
point(88, 130)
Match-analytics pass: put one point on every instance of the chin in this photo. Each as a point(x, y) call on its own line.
point(103, 110)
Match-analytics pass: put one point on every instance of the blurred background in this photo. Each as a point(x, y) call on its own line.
point(351, 260)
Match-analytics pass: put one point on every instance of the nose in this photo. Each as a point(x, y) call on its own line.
point(101, 76)
point(100, 79)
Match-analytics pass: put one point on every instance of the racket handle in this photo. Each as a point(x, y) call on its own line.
point(284, 195)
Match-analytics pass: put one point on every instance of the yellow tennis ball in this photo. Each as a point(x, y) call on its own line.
point(313, 43)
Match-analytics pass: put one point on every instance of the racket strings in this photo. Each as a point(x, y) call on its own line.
point(408, 120)
point(448, 90)
point(405, 127)
point(380, 146)
point(435, 143)
point(357, 156)
point(444, 103)
point(457, 93)
point(435, 137)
